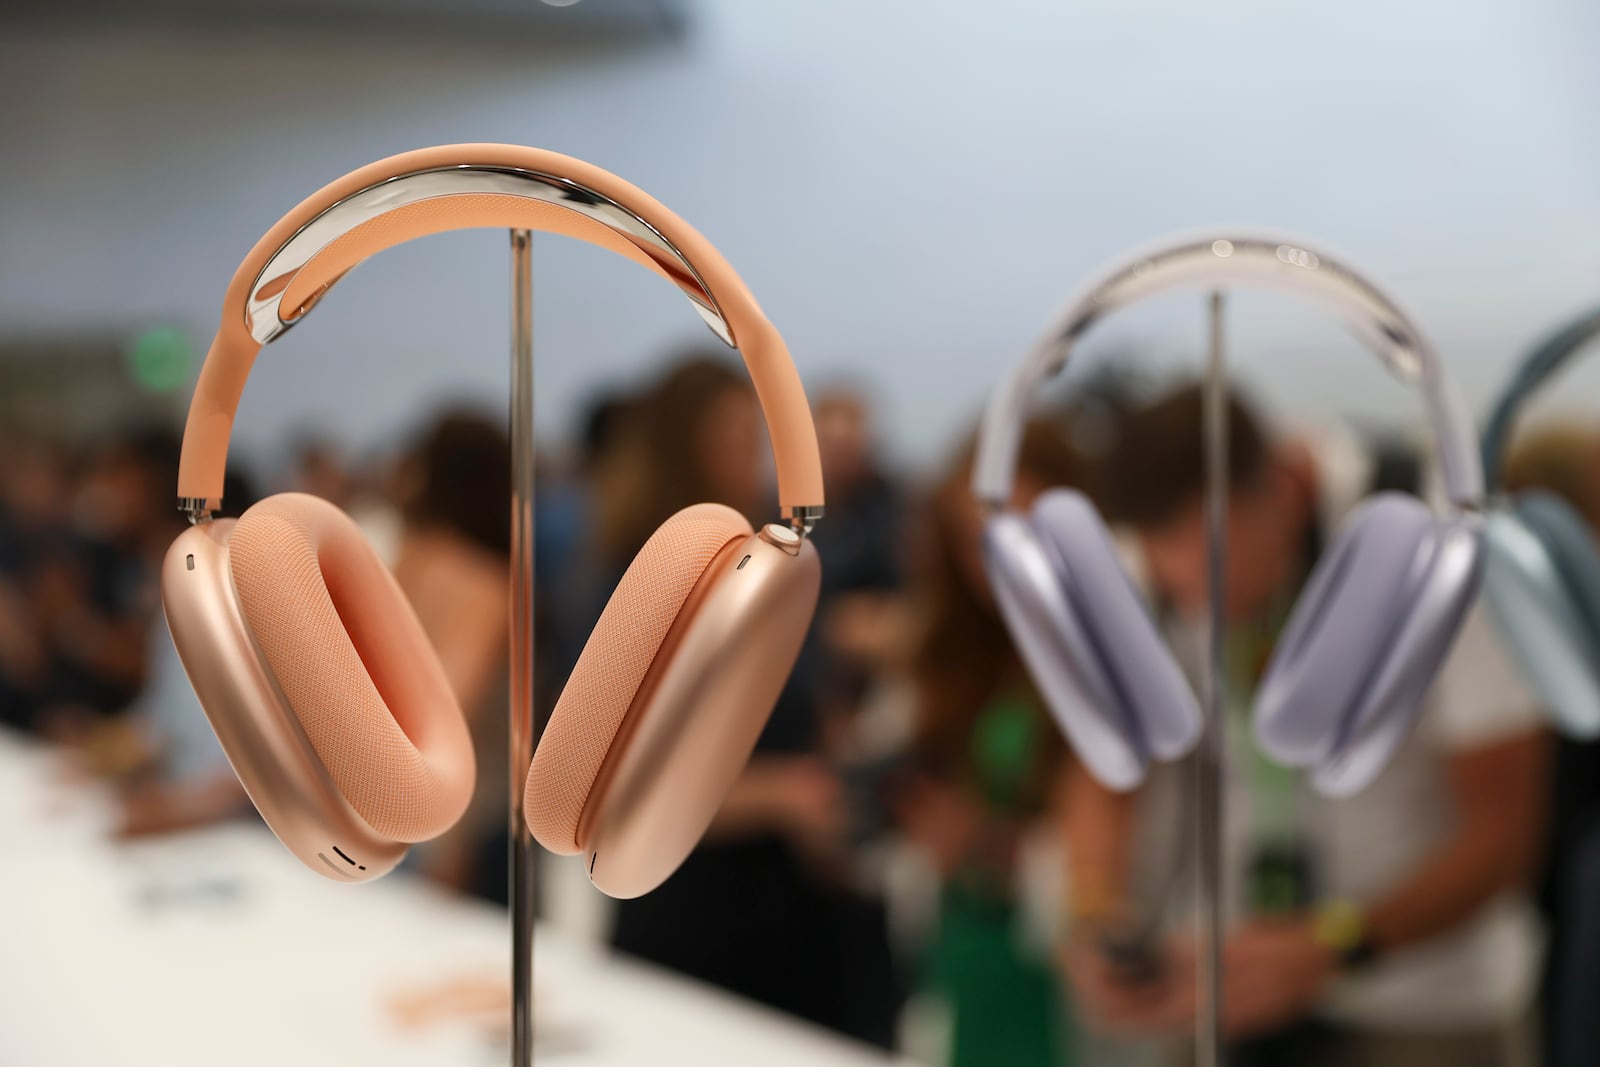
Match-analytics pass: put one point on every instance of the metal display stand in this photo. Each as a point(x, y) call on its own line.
point(520, 722)
point(1209, 1050)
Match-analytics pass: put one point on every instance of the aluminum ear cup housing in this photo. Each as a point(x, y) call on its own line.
point(1089, 645)
point(1365, 640)
point(257, 729)
point(696, 717)
point(1540, 580)
point(1060, 660)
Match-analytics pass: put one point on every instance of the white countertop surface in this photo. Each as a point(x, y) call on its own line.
point(217, 948)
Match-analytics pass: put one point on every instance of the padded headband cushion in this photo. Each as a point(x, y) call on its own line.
point(354, 664)
point(614, 663)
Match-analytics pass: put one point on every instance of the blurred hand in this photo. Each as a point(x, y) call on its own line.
point(808, 802)
point(797, 797)
point(156, 808)
point(940, 819)
point(1274, 973)
point(870, 629)
point(1114, 1005)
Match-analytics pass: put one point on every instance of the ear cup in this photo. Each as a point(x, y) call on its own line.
point(1366, 640)
point(353, 663)
point(1542, 582)
point(614, 662)
point(1088, 643)
point(1145, 678)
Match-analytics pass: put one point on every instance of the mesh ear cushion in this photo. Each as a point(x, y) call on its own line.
point(1366, 640)
point(1543, 586)
point(614, 662)
point(353, 663)
point(1143, 675)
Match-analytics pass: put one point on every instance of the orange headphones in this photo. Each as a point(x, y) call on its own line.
point(314, 671)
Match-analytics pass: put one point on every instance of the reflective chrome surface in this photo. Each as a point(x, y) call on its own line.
point(1216, 261)
point(264, 318)
point(805, 517)
point(1387, 330)
point(521, 729)
point(1209, 792)
point(197, 508)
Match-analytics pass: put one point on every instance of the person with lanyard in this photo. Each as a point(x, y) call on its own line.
point(1392, 926)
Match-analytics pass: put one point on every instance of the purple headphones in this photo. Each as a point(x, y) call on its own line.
point(1369, 631)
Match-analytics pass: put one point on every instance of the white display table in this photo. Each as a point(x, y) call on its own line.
point(215, 948)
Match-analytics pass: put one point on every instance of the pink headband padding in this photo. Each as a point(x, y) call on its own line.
point(614, 662)
point(233, 351)
point(354, 664)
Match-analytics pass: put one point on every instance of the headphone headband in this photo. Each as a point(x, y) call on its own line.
point(1548, 357)
point(1204, 261)
point(454, 187)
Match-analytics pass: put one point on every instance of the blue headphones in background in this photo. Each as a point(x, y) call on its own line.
point(1542, 576)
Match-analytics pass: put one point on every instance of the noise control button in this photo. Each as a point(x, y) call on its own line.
point(782, 537)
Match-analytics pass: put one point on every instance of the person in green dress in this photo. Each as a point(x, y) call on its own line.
point(990, 767)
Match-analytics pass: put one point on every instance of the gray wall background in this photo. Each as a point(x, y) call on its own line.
point(910, 188)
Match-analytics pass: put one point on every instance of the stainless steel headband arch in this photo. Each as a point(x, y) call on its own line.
point(263, 314)
point(1231, 258)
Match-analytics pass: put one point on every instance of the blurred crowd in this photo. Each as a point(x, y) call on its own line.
point(913, 856)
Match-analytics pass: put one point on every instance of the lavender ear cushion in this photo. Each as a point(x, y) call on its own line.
point(1366, 640)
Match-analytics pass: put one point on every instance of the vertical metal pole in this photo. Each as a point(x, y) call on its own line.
point(1213, 738)
point(520, 720)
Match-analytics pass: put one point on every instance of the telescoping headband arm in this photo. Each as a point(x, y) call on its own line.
point(456, 187)
point(1219, 260)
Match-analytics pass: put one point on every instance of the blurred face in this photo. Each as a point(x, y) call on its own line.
point(730, 450)
point(844, 436)
point(34, 485)
point(1266, 531)
point(120, 500)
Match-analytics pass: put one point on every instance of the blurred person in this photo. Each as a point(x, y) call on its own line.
point(569, 570)
point(1388, 927)
point(990, 765)
point(319, 469)
point(761, 906)
point(858, 611)
point(34, 496)
point(94, 591)
point(452, 564)
point(1561, 459)
point(172, 771)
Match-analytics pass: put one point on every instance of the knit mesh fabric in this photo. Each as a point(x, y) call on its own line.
point(614, 662)
point(292, 557)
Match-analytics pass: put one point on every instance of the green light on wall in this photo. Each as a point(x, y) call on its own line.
point(160, 359)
